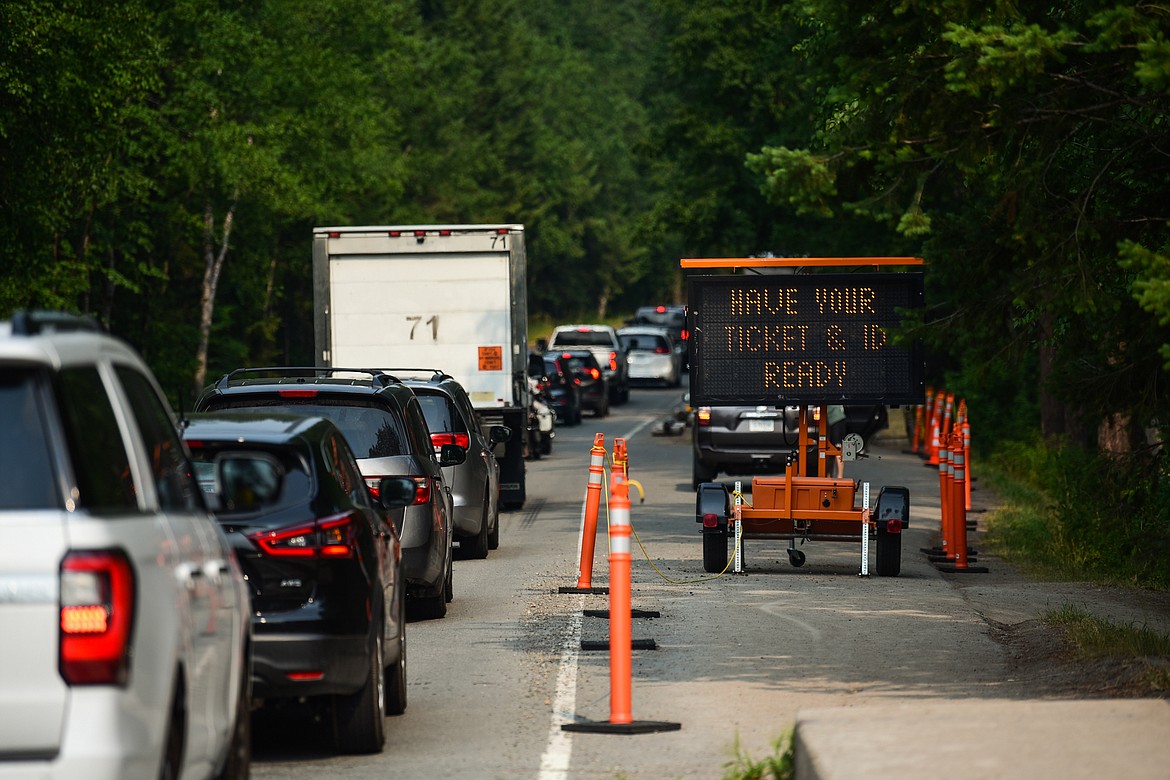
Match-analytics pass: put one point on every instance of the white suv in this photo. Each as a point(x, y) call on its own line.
point(603, 342)
point(124, 616)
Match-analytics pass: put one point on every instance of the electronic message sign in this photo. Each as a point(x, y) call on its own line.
point(796, 339)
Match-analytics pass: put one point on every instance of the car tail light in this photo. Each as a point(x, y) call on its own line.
point(325, 537)
point(660, 350)
point(460, 439)
point(660, 309)
point(301, 393)
point(686, 334)
point(422, 490)
point(593, 372)
point(613, 361)
point(703, 415)
point(97, 616)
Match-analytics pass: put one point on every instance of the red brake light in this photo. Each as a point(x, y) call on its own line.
point(593, 372)
point(686, 334)
point(613, 361)
point(459, 439)
point(660, 350)
point(703, 415)
point(302, 393)
point(326, 537)
point(661, 310)
point(582, 330)
point(97, 613)
point(422, 490)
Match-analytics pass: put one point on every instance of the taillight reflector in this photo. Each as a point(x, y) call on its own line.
point(327, 537)
point(710, 520)
point(97, 615)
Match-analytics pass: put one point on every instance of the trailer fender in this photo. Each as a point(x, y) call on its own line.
point(893, 509)
point(712, 506)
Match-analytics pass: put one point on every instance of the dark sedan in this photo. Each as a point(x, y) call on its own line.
point(323, 561)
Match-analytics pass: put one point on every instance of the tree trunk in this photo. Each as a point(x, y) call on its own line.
point(213, 259)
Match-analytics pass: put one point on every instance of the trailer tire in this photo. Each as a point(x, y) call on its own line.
point(889, 553)
point(715, 550)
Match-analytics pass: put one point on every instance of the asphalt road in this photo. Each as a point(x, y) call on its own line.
point(492, 684)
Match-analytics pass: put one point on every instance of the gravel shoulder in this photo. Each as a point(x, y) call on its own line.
point(1040, 657)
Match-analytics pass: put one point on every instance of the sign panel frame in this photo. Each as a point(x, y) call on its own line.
point(784, 339)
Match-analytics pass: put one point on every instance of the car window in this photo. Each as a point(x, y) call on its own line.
point(577, 338)
point(644, 342)
point(168, 462)
point(25, 452)
point(341, 463)
point(100, 463)
point(372, 430)
point(418, 431)
point(441, 414)
point(295, 484)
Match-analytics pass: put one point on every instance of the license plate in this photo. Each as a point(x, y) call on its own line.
point(761, 426)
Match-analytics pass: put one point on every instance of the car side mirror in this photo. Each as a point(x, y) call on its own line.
point(247, 482)
point(452, 455)
point(394, 492)
point(500, 434)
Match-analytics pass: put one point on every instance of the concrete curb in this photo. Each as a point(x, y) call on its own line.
point(1006, 740)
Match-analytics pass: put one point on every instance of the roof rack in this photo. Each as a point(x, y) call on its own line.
point(437, 374)
point(33, 321)
point(378, 377)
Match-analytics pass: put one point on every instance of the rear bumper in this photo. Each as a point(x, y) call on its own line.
point(341, 661)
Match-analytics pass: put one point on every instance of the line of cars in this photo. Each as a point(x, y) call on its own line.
point(168, 577)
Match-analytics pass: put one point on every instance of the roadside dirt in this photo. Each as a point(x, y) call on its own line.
point(1043, 660)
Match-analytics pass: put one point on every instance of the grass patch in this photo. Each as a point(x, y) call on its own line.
point(778, 766)
point(1067, 514)
point(1093, 638)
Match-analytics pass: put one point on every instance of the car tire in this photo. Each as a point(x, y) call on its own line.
point(359, 718)
point(237, 764)
point(476, 547)
point(175, 741)
point(494, 534)
point(624, 395)
point(449, 581)
point(545, 443)
point(396, 672)
point(700, 473)
point(889, 553)
point(602, 409)
point(715, 551)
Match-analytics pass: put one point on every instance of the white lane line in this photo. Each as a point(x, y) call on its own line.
point(554, 764)
point(639, 427)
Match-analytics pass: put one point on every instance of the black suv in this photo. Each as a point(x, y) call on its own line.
point(385, 427)
point(474, 483)
point(323, 563)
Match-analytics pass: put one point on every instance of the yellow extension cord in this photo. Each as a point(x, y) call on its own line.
point(646, 555)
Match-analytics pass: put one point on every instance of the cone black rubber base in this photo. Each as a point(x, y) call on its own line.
point(603, 644)
point(634, 613)
point(945, 559)
point(965, 570)
point(595, 591)
point(634, 727)
point(941, 551)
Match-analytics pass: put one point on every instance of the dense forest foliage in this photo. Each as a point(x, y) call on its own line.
point(164, 164)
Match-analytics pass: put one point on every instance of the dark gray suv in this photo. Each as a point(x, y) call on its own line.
point(385, 426)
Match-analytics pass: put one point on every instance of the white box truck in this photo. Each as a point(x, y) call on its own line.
point(449, 297)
